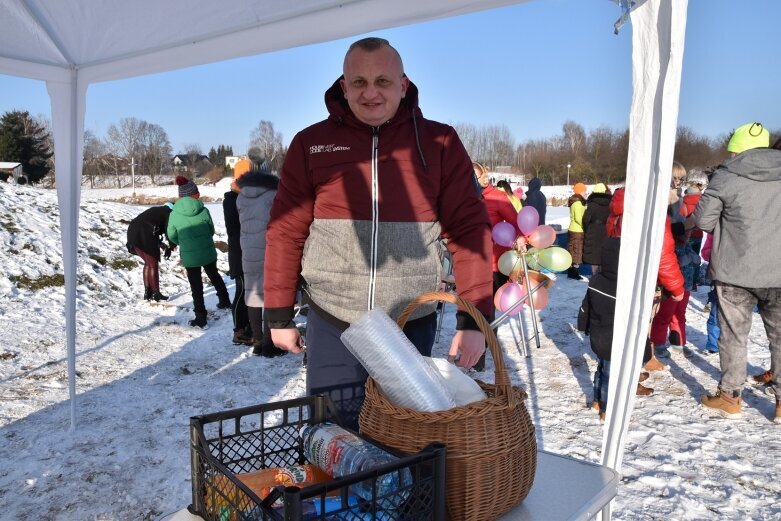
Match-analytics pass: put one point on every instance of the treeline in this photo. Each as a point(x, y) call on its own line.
point(598, 155)
point(134, 147)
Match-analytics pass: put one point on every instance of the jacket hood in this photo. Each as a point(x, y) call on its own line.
point(339, 110)
point(259, 179)
point(534, 184)
point(600, 188)
point(599, 198)
point(757, 164)
point(574, 198)
point(188, 206)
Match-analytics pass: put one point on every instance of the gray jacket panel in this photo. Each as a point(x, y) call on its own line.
point(741, 207)
point(254, 206)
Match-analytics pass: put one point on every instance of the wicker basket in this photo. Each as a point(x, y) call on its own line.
point(491, 446)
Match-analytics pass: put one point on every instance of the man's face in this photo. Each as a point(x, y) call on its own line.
point(374, 84)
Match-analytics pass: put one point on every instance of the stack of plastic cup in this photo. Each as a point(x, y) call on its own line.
point(401, 372)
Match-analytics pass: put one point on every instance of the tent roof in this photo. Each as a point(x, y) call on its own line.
point(113, 39)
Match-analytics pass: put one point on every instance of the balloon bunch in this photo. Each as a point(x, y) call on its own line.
point(535, 244)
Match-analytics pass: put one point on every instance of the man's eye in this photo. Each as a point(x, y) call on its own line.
point(383, 82)
point(359, 83)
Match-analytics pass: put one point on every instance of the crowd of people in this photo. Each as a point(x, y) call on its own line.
point(734, 208)
point(367, 198)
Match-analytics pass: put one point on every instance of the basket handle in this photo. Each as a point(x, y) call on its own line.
point(501, 378)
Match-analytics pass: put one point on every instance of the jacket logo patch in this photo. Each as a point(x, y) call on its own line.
point(316, 149)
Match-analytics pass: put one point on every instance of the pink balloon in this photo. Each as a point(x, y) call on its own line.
point(542, 236)
point(503, 234)
point(540, 297)
point(507, 295)
point(528, 219)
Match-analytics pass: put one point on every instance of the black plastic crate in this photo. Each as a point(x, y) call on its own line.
point(244, 440)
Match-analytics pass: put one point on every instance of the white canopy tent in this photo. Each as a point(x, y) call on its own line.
point(71, 44)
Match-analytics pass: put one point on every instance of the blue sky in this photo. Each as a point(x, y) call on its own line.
point(530, 67)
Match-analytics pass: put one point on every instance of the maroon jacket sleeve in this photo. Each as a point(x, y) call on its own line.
point(291, 216)
point(669, 272)
point(465, 224)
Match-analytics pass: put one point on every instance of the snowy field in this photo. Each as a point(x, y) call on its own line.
point(142, 373)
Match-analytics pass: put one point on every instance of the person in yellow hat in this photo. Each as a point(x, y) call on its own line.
point(740, 208)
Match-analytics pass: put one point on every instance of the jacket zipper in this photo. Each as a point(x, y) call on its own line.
point(375, 219)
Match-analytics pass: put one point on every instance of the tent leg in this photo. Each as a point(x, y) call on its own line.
point(68, 103)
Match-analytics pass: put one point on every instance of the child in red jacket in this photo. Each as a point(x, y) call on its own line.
point(696, 181)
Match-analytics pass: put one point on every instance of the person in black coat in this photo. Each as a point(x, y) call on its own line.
point(596, 314)
point(536, 199)
point(242, 334)
point(594, 220)
point(145, 239)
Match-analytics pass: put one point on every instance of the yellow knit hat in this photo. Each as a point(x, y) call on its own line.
point(748, 136)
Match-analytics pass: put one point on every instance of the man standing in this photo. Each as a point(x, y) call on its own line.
point(740, 207)
point(363, 199)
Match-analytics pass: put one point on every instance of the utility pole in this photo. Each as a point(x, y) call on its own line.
point(568, 167)
point(133, 173)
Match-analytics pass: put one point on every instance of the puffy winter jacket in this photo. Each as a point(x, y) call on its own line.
point(594, 218)
point(536, 199)
point(499, 209)
point(687, 212)
point(577, 207)
point(597, 311)
point(254, 207)
point(741, 208)
point(360, 210)
point(190, 226)
point(669, 276)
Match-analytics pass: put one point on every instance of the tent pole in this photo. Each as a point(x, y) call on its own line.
point(658, 31)
point(68, 104)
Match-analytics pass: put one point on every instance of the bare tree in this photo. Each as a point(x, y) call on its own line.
point(155, 150)
point(265, 142)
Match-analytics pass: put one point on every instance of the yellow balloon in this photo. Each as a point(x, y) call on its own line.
point(508, 261)
point(555, 258)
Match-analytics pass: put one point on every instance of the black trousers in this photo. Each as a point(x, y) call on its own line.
point(196, 285)
point(239, 307)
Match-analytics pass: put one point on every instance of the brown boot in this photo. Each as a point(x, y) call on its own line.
point(643, 390)
point(595, 405)
point(654, 365)
point(763, 378)
point(724, 404)
point(643, 377)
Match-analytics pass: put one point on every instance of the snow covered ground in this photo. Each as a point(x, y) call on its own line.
point(142, 372)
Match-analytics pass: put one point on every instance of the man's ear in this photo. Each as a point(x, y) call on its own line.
point(341, 83)
point(404, 85)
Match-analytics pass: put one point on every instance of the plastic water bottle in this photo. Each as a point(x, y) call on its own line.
point(339, 453)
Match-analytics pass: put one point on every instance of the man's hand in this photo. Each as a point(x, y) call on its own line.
point(470, 344)
point(288, 339)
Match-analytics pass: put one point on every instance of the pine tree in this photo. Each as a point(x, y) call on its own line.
point(23, 140)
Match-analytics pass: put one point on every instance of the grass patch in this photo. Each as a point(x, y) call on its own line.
point(46, 281)
point(99, 259)
point(122, 264)
point(101, 232)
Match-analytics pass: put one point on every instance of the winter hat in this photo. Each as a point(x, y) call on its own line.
point(186, 187)
point(696, 177)
point(579, 188)
point(600, 188)
point(239, 169)
point(748, 136)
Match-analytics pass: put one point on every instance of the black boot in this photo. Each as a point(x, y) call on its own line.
point(240, 337)
point(573, 273)
point(157, 296)
point(148, 293)
point(199, 320)
point(266, 348)
point(224, 303)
